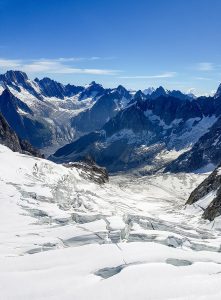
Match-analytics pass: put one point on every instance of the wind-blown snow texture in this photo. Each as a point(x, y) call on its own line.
point(64, 237)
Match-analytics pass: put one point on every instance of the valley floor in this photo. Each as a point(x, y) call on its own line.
point(62, 237)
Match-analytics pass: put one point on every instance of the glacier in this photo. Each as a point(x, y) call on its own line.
point(66, 237)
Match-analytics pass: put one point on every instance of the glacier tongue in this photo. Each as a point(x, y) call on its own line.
point(119, 240)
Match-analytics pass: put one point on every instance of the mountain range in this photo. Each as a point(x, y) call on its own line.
point(147, 129)
point(156, 129)
point(169, 219)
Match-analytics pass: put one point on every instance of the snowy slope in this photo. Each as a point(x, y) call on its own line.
point(121, 240)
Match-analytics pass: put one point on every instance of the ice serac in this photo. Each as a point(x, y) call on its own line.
point(208, 195)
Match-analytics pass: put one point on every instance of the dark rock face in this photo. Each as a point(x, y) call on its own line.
point(106, 107)
point(94, 89)
point(152, 123)
point(218, 92)
point(15, 79)
point(71, 90)
point(52, 88)
point(26, 125)
point(9, 138)
point(27, 148)
point(160, 91)
point(90, 170)
point(206, 151)
point(123, 92)
point(214, 209)
point(47, 86)
point(211, 184)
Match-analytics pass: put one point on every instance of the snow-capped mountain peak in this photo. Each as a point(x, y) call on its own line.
point(149, 91)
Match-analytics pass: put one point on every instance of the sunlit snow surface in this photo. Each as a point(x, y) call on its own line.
point(62, 237)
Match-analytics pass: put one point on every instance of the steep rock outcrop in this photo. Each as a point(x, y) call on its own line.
point(10, 139)
point(211, 188)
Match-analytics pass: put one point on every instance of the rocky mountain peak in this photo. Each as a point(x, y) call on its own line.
point(139, 95)
point(94, 86)
point(218, 92)
point(149, 91)
point(18, 80)
point(121, 88)
point(51, 88)
point(15, 76)
point(160, 91)
point(123, 92)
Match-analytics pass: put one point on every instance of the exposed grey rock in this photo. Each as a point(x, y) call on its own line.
point(23, 121)
point(27, 148)
point(136, 134)
point(207, 150)
point(10, 139)
point(90, 170)
point(210, 184)
point(218, 92)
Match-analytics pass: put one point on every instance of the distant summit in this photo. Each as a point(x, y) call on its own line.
point(160, 91)
point(149, 91)
point(218, 92)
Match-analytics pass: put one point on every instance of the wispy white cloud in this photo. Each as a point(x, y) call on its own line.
point(59, 66)
point(70, 59)
point(9, 63)
point(205, 66)
point(201, 78)
point(199, 93)
point(162, 75)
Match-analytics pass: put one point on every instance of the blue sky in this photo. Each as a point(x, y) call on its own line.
point(138, 43)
